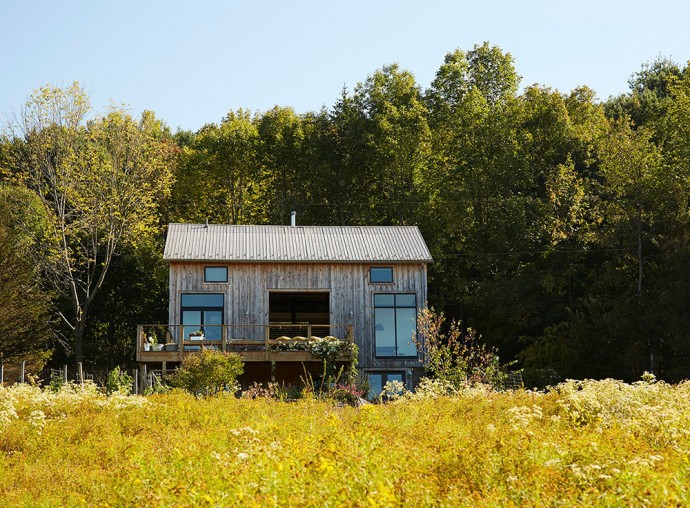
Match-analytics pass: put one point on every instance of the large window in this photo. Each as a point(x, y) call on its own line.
point(396, 325)
point(203, 312)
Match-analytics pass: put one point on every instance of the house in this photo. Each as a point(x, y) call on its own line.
point(259, 290)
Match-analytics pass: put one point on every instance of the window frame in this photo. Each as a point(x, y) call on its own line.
point(371, 275)
point(201, 309)
point(206, 279)
point(395, 306)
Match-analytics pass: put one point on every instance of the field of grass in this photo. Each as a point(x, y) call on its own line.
point(589, 444)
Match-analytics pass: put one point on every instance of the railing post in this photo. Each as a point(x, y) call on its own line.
point(267, 336)
point(140, 338)
point(309, 334)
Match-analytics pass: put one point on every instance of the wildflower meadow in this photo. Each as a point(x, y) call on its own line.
point(581, 443)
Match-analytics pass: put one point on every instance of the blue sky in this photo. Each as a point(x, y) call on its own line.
point(191, 62)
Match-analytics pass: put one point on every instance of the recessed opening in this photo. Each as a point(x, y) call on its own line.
point(299, 308)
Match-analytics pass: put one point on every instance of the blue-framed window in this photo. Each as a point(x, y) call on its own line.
point(381, 274)
point(395, 317)
point(215, 274)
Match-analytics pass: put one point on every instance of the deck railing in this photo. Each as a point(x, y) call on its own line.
point(233, 337)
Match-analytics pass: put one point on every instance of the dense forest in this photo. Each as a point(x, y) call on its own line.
point(559, 223)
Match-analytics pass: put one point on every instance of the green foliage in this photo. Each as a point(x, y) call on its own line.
point(99, 184)
point(119, 381)
point(24, 306)
point(558, 222)
point(208, 372)
point(456, 357)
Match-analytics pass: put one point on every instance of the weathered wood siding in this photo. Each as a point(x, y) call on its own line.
point(351, 295)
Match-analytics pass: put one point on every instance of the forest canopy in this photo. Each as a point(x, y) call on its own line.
point(558, 222)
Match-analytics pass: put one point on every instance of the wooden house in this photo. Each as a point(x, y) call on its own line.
point(263, 290)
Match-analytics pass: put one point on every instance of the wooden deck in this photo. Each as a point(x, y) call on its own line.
point(281, 342)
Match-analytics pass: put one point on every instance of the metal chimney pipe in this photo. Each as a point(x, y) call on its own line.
point(293, 218)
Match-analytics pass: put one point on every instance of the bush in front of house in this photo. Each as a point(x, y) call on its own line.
point(208, 372)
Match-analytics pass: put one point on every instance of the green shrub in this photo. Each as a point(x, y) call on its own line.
point(208, 372)
point(119, 382)
point(455, 356)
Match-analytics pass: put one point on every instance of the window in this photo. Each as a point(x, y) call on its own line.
point(202, 312)
point(380, 274)
point(395, 316)
point(377, 380)
point(215, 274)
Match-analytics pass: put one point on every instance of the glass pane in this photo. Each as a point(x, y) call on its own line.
point(405, 300)
point(406, 328)
point(380, 274)
point(202, 300)
point(394, 376)
point(191, 321)
point(375, 385)
point(213, 319)
point(191, 317)
point(384, 300)
point(385, 332)
point(216, 274)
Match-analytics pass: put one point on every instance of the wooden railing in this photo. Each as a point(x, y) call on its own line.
point(182, 338)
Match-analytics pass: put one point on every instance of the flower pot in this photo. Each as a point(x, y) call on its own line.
point(157, 347)
point(171, 347)
point(147, 346)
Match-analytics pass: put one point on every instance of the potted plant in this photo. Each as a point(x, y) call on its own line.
point(155, 346)
point(198, 335)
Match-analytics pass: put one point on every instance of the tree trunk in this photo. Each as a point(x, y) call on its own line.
point(79, 341)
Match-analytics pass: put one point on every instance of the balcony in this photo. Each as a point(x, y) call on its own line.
point(279, 342)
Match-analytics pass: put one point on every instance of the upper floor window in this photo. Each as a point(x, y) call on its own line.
point(380, 274)
point(215, 274)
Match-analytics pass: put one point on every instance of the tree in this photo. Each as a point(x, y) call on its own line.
point(99, 182)
point(24, 306)
point(219, 173)
point(398, 139)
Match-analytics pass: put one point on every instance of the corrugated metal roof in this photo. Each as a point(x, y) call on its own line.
point(220, 242)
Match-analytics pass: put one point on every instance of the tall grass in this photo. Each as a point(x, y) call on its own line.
point(583, 443)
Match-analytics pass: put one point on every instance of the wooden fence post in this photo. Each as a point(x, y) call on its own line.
point(136, 381)
point(2, 372)
point(22, 372)
point(64, 373)
point(80, 373)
